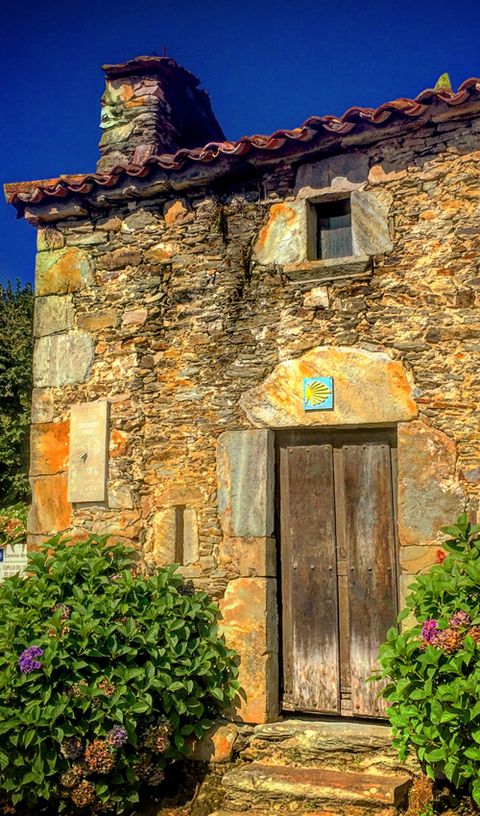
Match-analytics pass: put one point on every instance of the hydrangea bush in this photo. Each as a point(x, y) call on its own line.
point(104, 672)
point(433, 667)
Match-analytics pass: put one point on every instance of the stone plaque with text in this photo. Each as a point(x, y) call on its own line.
point(87, 469)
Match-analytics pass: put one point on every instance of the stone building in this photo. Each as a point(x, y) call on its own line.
point(260, 359)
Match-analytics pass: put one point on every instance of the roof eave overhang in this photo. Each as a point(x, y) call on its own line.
point(76, 196)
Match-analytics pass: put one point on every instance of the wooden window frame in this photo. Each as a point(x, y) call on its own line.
point(313, 205)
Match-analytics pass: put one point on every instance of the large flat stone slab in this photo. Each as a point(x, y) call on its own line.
point(369, 388)
point(245, 475)
point(249, 623)
point(61, 271)
point(283, 239)
point(270, 783)
point(50, 511)
point(370, 232)
point(49, 448)
point(429, 496)
point(345, 810)
point(52, 314)
point(328, 735)
point(62, 359)
point(87, 470)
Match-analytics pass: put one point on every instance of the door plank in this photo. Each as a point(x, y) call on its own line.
point(310, 579)
point(369, 529)
point(286, 576)
point(342, 569)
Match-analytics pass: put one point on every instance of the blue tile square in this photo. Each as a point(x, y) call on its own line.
point(318, 393)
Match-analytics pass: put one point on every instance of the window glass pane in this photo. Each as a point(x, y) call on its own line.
point(334, 229)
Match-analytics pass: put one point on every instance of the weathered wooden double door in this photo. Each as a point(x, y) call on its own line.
point(338, 567)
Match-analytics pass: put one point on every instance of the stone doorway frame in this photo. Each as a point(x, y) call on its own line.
point(372, 390)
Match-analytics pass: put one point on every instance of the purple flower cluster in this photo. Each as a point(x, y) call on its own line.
point(27, 662)
point(449, 639)
point(430, 631)
point(117, 736)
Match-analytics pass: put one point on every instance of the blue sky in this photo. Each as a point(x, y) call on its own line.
point(266, 65)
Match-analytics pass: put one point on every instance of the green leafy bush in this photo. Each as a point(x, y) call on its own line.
point(433, 668)
point(103, 674)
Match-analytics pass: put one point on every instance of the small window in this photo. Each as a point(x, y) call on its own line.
point(333, 228)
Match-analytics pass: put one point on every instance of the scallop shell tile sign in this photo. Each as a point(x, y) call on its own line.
point(318, 393)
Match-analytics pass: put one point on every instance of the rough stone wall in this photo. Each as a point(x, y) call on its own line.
point(163, 308)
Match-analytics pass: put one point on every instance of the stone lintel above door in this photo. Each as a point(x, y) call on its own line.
point(370, 388)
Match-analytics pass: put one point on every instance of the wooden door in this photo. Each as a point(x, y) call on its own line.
point(338, 571)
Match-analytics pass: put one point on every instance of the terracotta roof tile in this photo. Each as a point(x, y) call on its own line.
point(258, 146)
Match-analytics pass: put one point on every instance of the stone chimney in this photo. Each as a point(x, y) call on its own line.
point(151, 105)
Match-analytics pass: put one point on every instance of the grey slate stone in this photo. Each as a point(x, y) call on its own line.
point(245, 474)
point(62, 359)
point(52, 314)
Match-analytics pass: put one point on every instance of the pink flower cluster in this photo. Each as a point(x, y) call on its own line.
point(451, 638)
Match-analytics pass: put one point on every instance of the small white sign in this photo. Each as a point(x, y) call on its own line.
point(13, 559)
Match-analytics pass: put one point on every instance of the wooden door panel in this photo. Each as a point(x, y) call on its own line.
point(369, 531)
point(309, 579)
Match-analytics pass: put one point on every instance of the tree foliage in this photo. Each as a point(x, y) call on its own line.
point(16, 315)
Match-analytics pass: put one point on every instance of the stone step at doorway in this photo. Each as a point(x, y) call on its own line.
point(359, 746)
point(348, 810)
point(272, 787)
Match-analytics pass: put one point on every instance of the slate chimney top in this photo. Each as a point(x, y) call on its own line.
point(152, 106)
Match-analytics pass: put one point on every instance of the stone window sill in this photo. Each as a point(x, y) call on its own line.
point(322, 271)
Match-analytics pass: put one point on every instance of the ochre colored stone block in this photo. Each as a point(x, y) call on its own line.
point(249, 557)
point(93, 321)
point(215, 746)
point(119, 258)
point(160, 253)
point(118, 443)
point(419, 558)
point(126, 527)
point(50, 512)
point(161, 537)
point(49, 448)
point(369, 388)
point(250, 625)
point(112, 224)
point(283, 239)
point(190, 536)
point(175, 211)
point(429, 497)
point(62, 271)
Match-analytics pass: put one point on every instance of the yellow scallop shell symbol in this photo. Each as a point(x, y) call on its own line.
point(316, 392)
